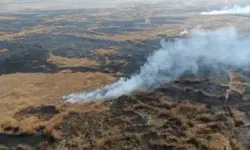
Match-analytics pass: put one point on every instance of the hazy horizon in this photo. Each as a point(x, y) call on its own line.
point(21, 5)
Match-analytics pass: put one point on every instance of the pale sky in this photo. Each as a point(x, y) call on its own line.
point(16, 5)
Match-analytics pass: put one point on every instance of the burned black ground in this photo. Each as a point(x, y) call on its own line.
point(188, 113)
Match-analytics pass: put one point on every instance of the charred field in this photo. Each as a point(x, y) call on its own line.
point(47, 54)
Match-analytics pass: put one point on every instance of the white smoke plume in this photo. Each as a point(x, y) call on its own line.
point(184, 32)
point(234, 10)
point(210, 48)
point(147, 21)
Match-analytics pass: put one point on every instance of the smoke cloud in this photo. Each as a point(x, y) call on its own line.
point(147, 21)
point(234, 10)
point(175, 58)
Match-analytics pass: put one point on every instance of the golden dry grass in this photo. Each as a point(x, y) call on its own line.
point(105, 52)
point(97, 106)
point(236, 84)
point(100, 143)
point(20, 90)
point(68, 17)
point(121, 37)
point(194, 21)
point(219, 142)
point(238, 116)
point(211, 22)
point(10, 36)
point(7, 18)
point(196, 125)
point(71, 62)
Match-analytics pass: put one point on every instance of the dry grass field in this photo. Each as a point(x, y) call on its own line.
point(45, 54)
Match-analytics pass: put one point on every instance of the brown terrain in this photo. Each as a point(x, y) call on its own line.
point(47, 54)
